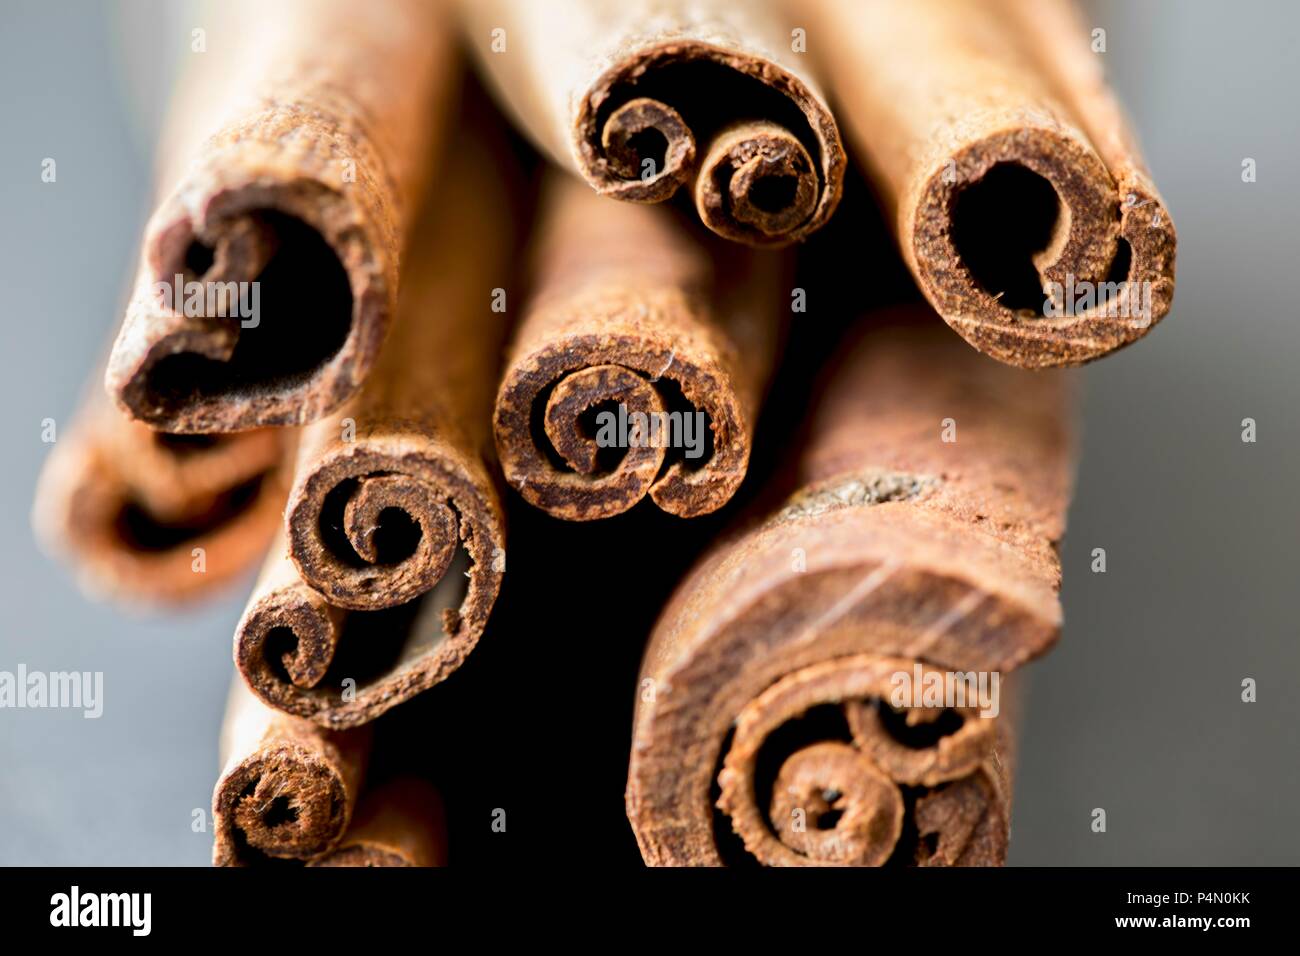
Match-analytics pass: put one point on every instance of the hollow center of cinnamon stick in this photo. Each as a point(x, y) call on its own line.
point(730, 93)
point(774, 193)
point(304, 315)
point(998, 224)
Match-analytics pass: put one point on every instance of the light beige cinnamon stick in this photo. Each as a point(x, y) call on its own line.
point(153, 518)
point(932, 497)
point(1021, 201)
point(642, 99)
point(639, 363)
point(400, 823)
point(296, 155)
point(288, 787)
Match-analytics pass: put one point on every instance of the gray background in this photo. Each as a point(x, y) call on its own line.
point(1137, 711)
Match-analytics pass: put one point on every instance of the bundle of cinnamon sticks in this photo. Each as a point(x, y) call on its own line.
point(374, 326)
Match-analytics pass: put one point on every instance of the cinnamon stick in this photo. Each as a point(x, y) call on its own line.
point(302, 655)
point(400, 823)
point(633, 322)
point(899, 550)
point(288, 788)
point(642, 100)
point(392, 495)
point(1021, 201)
point(154, 518)
point(296, 155)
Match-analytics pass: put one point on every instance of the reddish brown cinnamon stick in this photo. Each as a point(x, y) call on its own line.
point(154, 518)
point(398, 824)
point(900, 549)
point(337, 668)
point(393, 496)
point(295, 159)
point(288, 788)
point(1009, 168)
point(643, 99)
point(631, 317)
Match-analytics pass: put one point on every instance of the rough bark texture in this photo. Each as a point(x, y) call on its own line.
point(607, 87)
point(288, 788)
point(127, 506)
point(899, 548)
point(303, 656)
point(392, 496)
point(400, 823)
point(296, 155)
point(630, 309)
point(945, 95)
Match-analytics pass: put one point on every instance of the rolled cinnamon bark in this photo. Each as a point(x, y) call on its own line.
point(154, 518)
point(400, 823)
point(288, 788)
point(634, 326)
point(1021, 201)
point(304, 656)
point(392, 494)
point(644, 99)
point(773, 667)
point(296, 154)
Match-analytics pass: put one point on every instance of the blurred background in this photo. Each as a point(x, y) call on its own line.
point(1137, 711)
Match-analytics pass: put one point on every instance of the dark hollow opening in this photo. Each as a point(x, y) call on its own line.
point(304, 314)
point(397, 536)
point(186, 443)
point(280, 643)
point(279, 813)
point(731, 94)
point(140, 530)
point(608, 456)
point(650, 144)
point(998, 224)
point(917, 736)
point(773, 193)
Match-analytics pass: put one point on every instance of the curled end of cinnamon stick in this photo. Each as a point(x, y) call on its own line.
point(284, 802)
point(155, 518)
point(587, 429)
point(649, 148)
point(757, 184)
point(377, 522)
point(848, 781)
point(1035, 252)
point(264, 292)
point(769, 181)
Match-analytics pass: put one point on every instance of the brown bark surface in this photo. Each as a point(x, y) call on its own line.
point(338, 668)
point(630, 309)
point(710, 92)
point(400, 823)
point(295, 156)
point(288, 788)
point(392, 497)
point(944, 95)
point(898, 548)
point(127, 506)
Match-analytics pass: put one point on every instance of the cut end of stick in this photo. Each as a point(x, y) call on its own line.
point(370, 529)
point(584, 442)
point(146, 518)
point(283, 802)
point(757, 184)
point(837, 796)
point(650, 148)
point(1029, 249)
point(771, 179)
point(267, 307)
